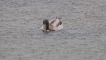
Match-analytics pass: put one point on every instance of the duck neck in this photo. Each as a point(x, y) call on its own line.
point(47, 26)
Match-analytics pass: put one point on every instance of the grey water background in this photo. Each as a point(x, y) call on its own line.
point(83, 36)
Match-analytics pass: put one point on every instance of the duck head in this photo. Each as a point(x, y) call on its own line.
point(45, 25)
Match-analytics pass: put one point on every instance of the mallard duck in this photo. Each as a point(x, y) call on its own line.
point(52, 25)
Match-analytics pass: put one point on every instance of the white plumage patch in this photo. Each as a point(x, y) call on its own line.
point(56, 22)
point(60, 27)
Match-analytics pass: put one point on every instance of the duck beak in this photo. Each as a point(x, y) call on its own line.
point(44, 27)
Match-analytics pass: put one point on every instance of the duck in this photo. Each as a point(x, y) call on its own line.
point(52, 25)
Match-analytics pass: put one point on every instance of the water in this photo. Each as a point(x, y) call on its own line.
point(83, 36)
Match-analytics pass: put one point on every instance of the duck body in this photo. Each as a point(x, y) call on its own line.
point(52, 25)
